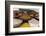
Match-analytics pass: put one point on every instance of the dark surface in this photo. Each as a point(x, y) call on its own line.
point(7, 4)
